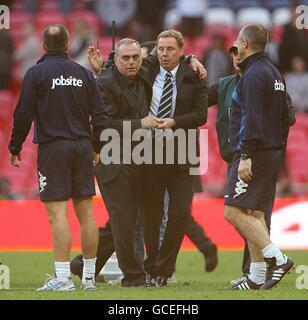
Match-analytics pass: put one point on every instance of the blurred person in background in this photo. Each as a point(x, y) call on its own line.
point(192, 12)
point(297, 84)
point(122, 11)
point(81, 38)
point(29, 50)
point(217, 60)
point(294, 43)
point(150, 18)
point(6, 59)
point(5, 192)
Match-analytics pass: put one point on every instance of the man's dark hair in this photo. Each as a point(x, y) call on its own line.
point(55, 38)
point(256, 35)
point(149, 45)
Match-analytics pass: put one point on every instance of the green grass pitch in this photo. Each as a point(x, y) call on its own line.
point(28, 269)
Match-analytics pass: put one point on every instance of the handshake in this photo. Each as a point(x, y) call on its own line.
point(153, 122)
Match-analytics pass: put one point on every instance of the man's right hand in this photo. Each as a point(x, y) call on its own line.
point(95, 58)
point(149, 122)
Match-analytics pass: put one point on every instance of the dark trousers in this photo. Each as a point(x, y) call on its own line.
point(197, 235)
point(194, 230)
point(122, 198)
point(161, 260)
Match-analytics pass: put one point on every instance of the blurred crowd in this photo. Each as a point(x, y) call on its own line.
point(209, 27)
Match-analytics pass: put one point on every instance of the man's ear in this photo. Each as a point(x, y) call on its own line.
point(245, 44)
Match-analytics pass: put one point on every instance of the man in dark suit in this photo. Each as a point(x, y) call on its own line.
point(179, 101)
point(125, 91)
point(106, 244)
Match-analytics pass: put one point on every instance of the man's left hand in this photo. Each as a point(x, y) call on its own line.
point(244, 170)
point(198, 67)
point(15, 160)
point(165, 123)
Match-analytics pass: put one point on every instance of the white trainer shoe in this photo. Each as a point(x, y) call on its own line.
point(236, 282)
point(88, 284)
point(55, 284)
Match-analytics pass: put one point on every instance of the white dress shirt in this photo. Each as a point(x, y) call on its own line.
point(158, 87)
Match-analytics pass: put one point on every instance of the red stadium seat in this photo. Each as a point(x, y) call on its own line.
point(6, 108)
point(21, 179)
point(227, 31)
point(105, 44)
point(17, 20)
point(52, 5)
point(297, 151)
point(45, 18)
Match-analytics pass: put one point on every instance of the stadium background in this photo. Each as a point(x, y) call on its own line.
point(23, 223)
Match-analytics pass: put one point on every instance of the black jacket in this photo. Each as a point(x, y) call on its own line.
point(259, 118)
point(122, 104)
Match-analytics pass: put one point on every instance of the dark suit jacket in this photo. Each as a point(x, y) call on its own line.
point(191, 102)
point(121, 105)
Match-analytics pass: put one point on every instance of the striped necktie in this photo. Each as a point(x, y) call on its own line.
point(164, 109)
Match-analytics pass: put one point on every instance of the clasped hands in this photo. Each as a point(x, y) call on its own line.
point(159, 123)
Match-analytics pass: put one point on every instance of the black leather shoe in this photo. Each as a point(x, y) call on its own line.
point(275, 272)
point(137, 282)
point(211, 257)
point(161, 281)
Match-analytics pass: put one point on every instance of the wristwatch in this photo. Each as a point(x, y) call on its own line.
point(244, 156)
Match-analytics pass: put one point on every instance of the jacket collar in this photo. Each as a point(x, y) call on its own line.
point(52, 54)
point(245, 64)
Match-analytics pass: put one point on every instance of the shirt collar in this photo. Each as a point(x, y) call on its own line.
point(174, 71)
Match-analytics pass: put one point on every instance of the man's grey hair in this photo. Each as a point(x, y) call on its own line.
point(124, 42)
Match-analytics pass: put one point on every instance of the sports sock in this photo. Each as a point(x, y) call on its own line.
point(257, 272)
point(88, 271)
point(271, 251)
point(63, 270)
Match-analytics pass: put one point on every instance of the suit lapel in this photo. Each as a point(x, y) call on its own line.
point(180, 76)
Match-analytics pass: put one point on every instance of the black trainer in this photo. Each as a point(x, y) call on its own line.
point(247, 284)
point(276, 273)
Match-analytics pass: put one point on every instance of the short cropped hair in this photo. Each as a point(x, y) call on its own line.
point(55, 38)
point(256, 35)
point(173, 34)
point(124, 42)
